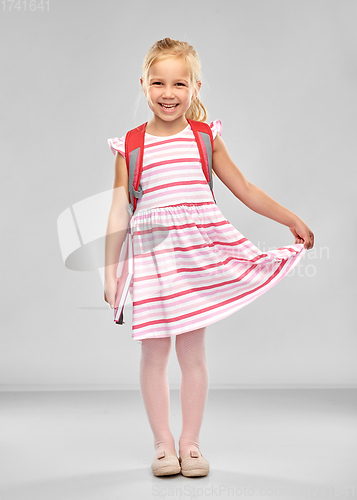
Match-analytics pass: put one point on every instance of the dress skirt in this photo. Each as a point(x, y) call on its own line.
point(193, 268)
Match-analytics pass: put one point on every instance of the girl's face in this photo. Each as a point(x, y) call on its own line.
point(169, 89)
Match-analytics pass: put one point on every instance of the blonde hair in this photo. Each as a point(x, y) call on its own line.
point(170, 49)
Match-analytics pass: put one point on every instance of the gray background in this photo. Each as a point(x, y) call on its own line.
point(281, 75)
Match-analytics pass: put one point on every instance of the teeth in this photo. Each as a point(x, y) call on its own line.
point(168, 105)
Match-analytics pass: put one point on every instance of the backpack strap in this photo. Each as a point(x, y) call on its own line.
point(134, 153)
point(204, 138)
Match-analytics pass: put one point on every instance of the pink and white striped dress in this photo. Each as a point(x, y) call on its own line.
point(191, 266)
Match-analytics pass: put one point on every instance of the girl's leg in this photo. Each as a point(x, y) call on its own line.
point(191, 355)
point(155, 391)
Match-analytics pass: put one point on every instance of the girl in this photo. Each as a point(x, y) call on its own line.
point(191, 266)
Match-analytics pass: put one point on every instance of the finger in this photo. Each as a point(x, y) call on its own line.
point(109, 301)
point(310, 241)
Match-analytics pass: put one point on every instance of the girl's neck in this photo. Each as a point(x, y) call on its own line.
point(161, 128)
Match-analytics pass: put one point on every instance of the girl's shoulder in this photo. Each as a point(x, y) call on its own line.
point(117, 145)
point(216, 127)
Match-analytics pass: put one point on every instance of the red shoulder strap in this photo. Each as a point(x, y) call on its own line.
point(134, 142)
point(201, 127)
point(204, 139)
point(205, 128)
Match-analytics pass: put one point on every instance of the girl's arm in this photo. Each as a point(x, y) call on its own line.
point(254, 197)
point(118, 220)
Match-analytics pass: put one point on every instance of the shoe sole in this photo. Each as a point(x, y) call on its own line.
point(167, 471)
point(194, 472)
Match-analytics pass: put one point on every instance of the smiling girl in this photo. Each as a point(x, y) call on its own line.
point(169, 92)
point(197, 268)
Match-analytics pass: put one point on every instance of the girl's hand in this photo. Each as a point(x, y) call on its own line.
point(110, 288)
point(302, 233)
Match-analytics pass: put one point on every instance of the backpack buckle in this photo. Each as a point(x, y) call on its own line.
point(130, 209)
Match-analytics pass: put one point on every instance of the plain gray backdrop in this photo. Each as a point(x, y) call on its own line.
point(281, 76)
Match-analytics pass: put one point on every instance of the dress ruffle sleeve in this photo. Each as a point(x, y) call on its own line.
point(117, 145)
point(216, 128)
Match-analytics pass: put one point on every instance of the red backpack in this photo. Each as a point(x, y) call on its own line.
point(134, 152)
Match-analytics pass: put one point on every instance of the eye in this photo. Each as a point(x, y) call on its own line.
point(181, 84)
point(156, 83)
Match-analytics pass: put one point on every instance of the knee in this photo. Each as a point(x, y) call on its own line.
point(194, 359)
point(197, 364)
point(156, 352)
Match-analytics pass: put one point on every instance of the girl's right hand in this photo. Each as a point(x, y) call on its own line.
point(110, 288)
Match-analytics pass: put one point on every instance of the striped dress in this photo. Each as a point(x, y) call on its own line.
point(191, 266)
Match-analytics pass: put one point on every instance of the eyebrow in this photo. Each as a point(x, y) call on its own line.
point(178, 80)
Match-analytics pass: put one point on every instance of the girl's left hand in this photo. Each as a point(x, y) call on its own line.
point(303, 234)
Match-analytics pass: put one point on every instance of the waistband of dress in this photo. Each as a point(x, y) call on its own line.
point(185, 204)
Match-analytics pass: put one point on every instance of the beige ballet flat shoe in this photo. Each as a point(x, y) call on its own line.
point(194, 465)
point(165, 465)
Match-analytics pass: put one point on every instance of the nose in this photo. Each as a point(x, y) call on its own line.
point(168, 92)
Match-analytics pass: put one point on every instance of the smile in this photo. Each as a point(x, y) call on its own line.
point(168, 106)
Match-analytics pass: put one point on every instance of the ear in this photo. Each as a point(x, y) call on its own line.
point(198, 88)
point(142, 85)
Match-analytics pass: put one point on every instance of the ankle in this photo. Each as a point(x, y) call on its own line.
point(167, 446)
point(187, 446)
